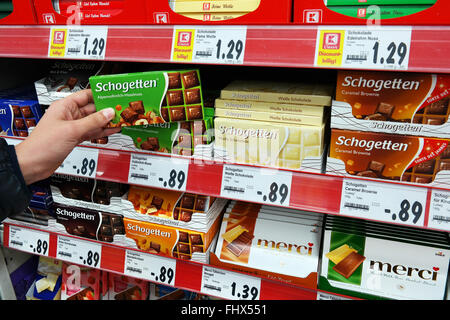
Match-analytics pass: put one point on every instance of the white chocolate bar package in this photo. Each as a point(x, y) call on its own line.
point(273, 247)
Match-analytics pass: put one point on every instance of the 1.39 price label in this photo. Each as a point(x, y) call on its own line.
point(230, 285)
point(384, 202)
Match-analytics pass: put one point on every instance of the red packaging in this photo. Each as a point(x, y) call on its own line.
point(23, 13)
point(121, 287)
point(316, 12)
point(81, 283)
point(268, 12)
point(126, 12)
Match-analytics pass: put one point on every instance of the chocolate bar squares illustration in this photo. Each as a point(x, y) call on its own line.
point(187, 244)
point(434, 114)
point(426, 171)
point(346, 260)
point(183, 100)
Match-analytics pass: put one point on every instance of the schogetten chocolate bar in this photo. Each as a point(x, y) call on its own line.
point(389, 156)
point(392, 102)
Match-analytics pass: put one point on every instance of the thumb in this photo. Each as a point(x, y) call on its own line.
point(97, 120)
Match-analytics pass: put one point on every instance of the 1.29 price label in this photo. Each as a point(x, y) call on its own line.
point(211, 44)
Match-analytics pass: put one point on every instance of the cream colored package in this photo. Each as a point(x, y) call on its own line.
point(217, 16)
point(279, 92)
point(214, 6)
point(267, 143)
point(284, 108)
point(270, 116)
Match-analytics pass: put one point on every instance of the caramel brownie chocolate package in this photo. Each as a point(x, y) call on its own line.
point(392, 102)
point(409, 159)
point(356, 263)
point(180, 138)
point(266, 246)
point(150, 97)
point(172, 208)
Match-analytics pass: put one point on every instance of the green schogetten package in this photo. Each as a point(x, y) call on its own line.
point(376, 2)
point(178, 138)
point(150, 97)
point(378, 12)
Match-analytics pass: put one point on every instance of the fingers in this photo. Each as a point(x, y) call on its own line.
point(94, 121)
point(87, 110)
point(81, 98)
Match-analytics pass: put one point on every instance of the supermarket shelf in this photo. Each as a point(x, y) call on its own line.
point(307, 191)
point(274, 46)
point(186, 274)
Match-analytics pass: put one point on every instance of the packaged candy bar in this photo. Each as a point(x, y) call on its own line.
point(90, 224)
point(388, 156)
point(392, 102)
point(379, 12)
point(213, 6)
point(121, 287)
point(172, 241)
point(87, 193)
point(370, 265)
point(266, 143)
point(173, 208)
point(150, 97)
point(180, 138)
point(17, 117)
point(65, 78)
point(80, 282)
point(277, 248)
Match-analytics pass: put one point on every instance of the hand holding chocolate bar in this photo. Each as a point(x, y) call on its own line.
point(66, 123)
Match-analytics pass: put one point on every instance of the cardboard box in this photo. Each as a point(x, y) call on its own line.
point(391, 102)
point(316, 12)
point(132, 12)
point(372, 266)
point(153, 97)
point(274, 248)
point(267, 12)
point(172, 208)
point(18, 12)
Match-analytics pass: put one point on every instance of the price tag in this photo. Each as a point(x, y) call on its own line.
point(364, 47)
point(78, 42)
point(230, 285)
point(439, 216)
point(160, 172)
point(211, 44)
point(268, 186)
point(384, 202)
point(80, 162)
point(150, 267)
point(29, 240)
point(79, 251)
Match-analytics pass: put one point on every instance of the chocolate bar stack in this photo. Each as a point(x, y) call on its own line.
point(391, 126)
point(276, 124)
point(372, 260)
